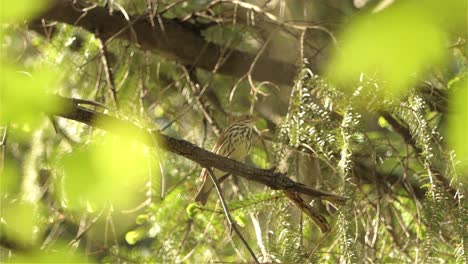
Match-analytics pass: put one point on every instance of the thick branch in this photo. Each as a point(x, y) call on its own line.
point(170, 39)
point(274, 180)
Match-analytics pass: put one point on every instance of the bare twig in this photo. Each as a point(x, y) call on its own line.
point(83, 230)
point(192, 82)
point(228, 215)
point(3, 147)
point(89, 102)
point(108, 69)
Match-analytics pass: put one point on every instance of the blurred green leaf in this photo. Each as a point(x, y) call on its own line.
point(141, 219)
point(383, 122)
point(24, 94)
point(458, 121)
point(240, 219)
point(259, 157)
point(56, 254)
point(110, 170)
point(15, 11)
point(18, 222)
point(134, 236)
point(10, 180)
point(392, 45)
point(192, 209)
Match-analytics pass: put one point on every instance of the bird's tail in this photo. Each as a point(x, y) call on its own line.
point(205, 189)
point(202, 197)
point(315, 216)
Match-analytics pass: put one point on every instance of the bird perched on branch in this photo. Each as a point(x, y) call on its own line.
point(234, 142)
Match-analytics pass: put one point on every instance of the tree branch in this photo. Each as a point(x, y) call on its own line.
point(169, 39)
point(274, 180)
point(232, 223)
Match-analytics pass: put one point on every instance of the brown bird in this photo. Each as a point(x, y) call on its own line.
point(234, 142)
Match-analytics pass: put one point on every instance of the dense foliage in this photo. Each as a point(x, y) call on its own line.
point(377, 111)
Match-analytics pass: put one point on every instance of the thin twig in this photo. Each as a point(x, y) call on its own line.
point(228, 215)
point(82, 232)
point(3, 147)
point(405, 133)
point(107, 69)
point(193, 82)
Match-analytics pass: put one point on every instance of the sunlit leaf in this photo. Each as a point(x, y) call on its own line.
point(458, 121)
point(134, 236)
point(192, 209)
point(383, 122)
point(141, 219)
point(392, 45)
point(12, 11)
point(23, 94)
point(241, 219)
point(56, 254)
point(111, 170)
point(259, 157)
point(10, 179)
point(18, 222)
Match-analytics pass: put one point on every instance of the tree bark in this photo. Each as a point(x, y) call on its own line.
point(170, 39)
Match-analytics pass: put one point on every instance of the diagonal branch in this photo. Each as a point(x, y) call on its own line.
point(170, 39)
point(205, 158)
point(232, 223)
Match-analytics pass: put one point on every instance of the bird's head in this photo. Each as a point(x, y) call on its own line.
point(247, 119)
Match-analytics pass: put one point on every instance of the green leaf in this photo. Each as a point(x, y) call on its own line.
point(383, 122)
point(141, 219)
point(392, 45)
point(18, 222)
point(24, 95)
point(14, 11)
point(110, 170)
point(10, 180)
point(192, 209)
point(458, 121)
point(134, 236)
point(54, 254)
